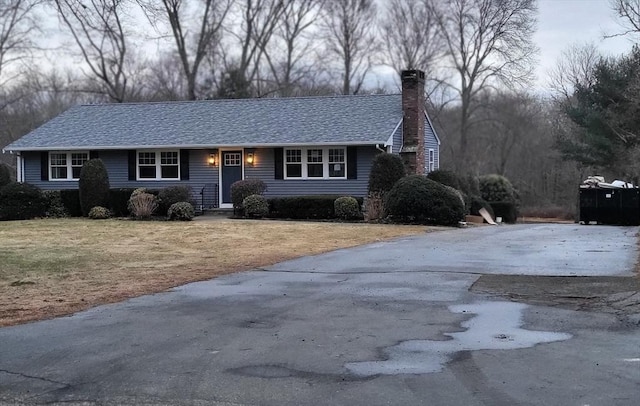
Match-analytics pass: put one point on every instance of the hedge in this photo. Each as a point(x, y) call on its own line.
point(304, 207)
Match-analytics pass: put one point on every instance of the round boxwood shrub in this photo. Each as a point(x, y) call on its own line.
point(445, 177)
point(496, 188)
point(5, 174)
point(182, 211)
point(255, 206)
point(346, 208)
point(242, 189)
point(386, 170)
point(416, 198)
point(173, 194)
point(93, 185)
point(21, 201)
point(99, 213)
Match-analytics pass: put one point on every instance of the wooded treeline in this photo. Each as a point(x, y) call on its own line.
point(478, 56)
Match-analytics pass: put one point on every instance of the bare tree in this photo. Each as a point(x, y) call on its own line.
point(287, 51)
point(207, 18)
point(97, 29)
point(489, 42)
point(349, 28)
point(256, 22)
point(576, 66)
point(411, 38)
point(629, 12)
point(17, 27)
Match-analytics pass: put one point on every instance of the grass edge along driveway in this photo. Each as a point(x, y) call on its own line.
point(55, 267)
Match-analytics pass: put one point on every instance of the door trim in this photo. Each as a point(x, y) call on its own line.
point(221, 162)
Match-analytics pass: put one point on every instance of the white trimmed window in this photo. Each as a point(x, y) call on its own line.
point(66, 165)
point(432, 160)
point(158, 165)
point(315, 163)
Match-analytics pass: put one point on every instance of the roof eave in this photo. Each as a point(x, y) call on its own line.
point(189, 146)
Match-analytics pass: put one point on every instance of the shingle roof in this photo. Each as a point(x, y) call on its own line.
point(246, 122)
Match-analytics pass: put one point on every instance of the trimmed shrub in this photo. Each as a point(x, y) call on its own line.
point(255, 206)
point(507, 210)
point(346, 208)
point(182, 211)
point(173, 194)
point(93, 185)
point(119, 199)
point(5, 174)
point(476, 203)
point(418, 199)
point(21, 201)
point(496, 188)
point(142, 205)
point(241, 189)
point(386, 170)
point(71, 202)
point(445, 177)
point(99, 213)
point(54, 206)
point(304, 207)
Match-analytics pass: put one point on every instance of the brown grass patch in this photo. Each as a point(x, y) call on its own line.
point(55, 267)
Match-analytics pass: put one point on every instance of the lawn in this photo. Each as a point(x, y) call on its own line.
point(54, 267)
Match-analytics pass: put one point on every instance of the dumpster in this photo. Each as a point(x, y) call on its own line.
point(618, 206)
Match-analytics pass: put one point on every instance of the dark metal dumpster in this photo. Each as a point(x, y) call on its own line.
point(610, 206)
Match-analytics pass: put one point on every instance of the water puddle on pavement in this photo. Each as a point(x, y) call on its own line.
point(495, 326)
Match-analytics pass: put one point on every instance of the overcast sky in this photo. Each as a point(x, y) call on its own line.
point(562, 23)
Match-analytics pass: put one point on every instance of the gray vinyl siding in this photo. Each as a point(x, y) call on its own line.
point(200, 173)
point(431, 142)
point(397, 140)
point(264, 169)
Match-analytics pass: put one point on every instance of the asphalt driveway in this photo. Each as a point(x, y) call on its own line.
point(393, 323)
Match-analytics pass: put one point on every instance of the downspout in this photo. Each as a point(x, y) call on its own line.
point(380, 149)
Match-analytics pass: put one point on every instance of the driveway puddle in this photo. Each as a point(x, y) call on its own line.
point(495, 326)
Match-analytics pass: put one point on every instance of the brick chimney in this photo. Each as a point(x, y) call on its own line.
point(413, 121)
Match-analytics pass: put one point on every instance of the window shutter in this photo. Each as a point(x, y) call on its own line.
point(184, 164)
point(352, 162)
point(94, 155)
point(132, 165)
point(278, 163)
point(44, 165)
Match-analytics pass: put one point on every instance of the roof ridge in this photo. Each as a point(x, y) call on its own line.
point(252, 99)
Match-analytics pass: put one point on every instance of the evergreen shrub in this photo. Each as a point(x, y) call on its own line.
point(182, 211)
point(99, 213)
point(386, 170)
point(21, 201)
point(173, 194)
point(255, 206)
point(418, 199)
point(93, 185)
point(346, 208)
point(241, 189)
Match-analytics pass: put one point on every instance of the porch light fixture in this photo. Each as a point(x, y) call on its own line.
point(213, 158)
point(250, 158)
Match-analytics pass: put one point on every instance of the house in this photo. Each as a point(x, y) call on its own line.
point(297, 146)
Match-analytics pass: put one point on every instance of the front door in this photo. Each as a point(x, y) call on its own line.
point(231, 172)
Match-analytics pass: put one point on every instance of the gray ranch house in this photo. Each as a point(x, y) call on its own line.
point(297, 146)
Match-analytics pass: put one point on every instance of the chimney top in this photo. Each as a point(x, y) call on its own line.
point(413, 74)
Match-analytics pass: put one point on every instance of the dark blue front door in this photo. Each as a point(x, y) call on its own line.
point(231, 172)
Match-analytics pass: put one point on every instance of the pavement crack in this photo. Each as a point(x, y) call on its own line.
point(39, 378)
